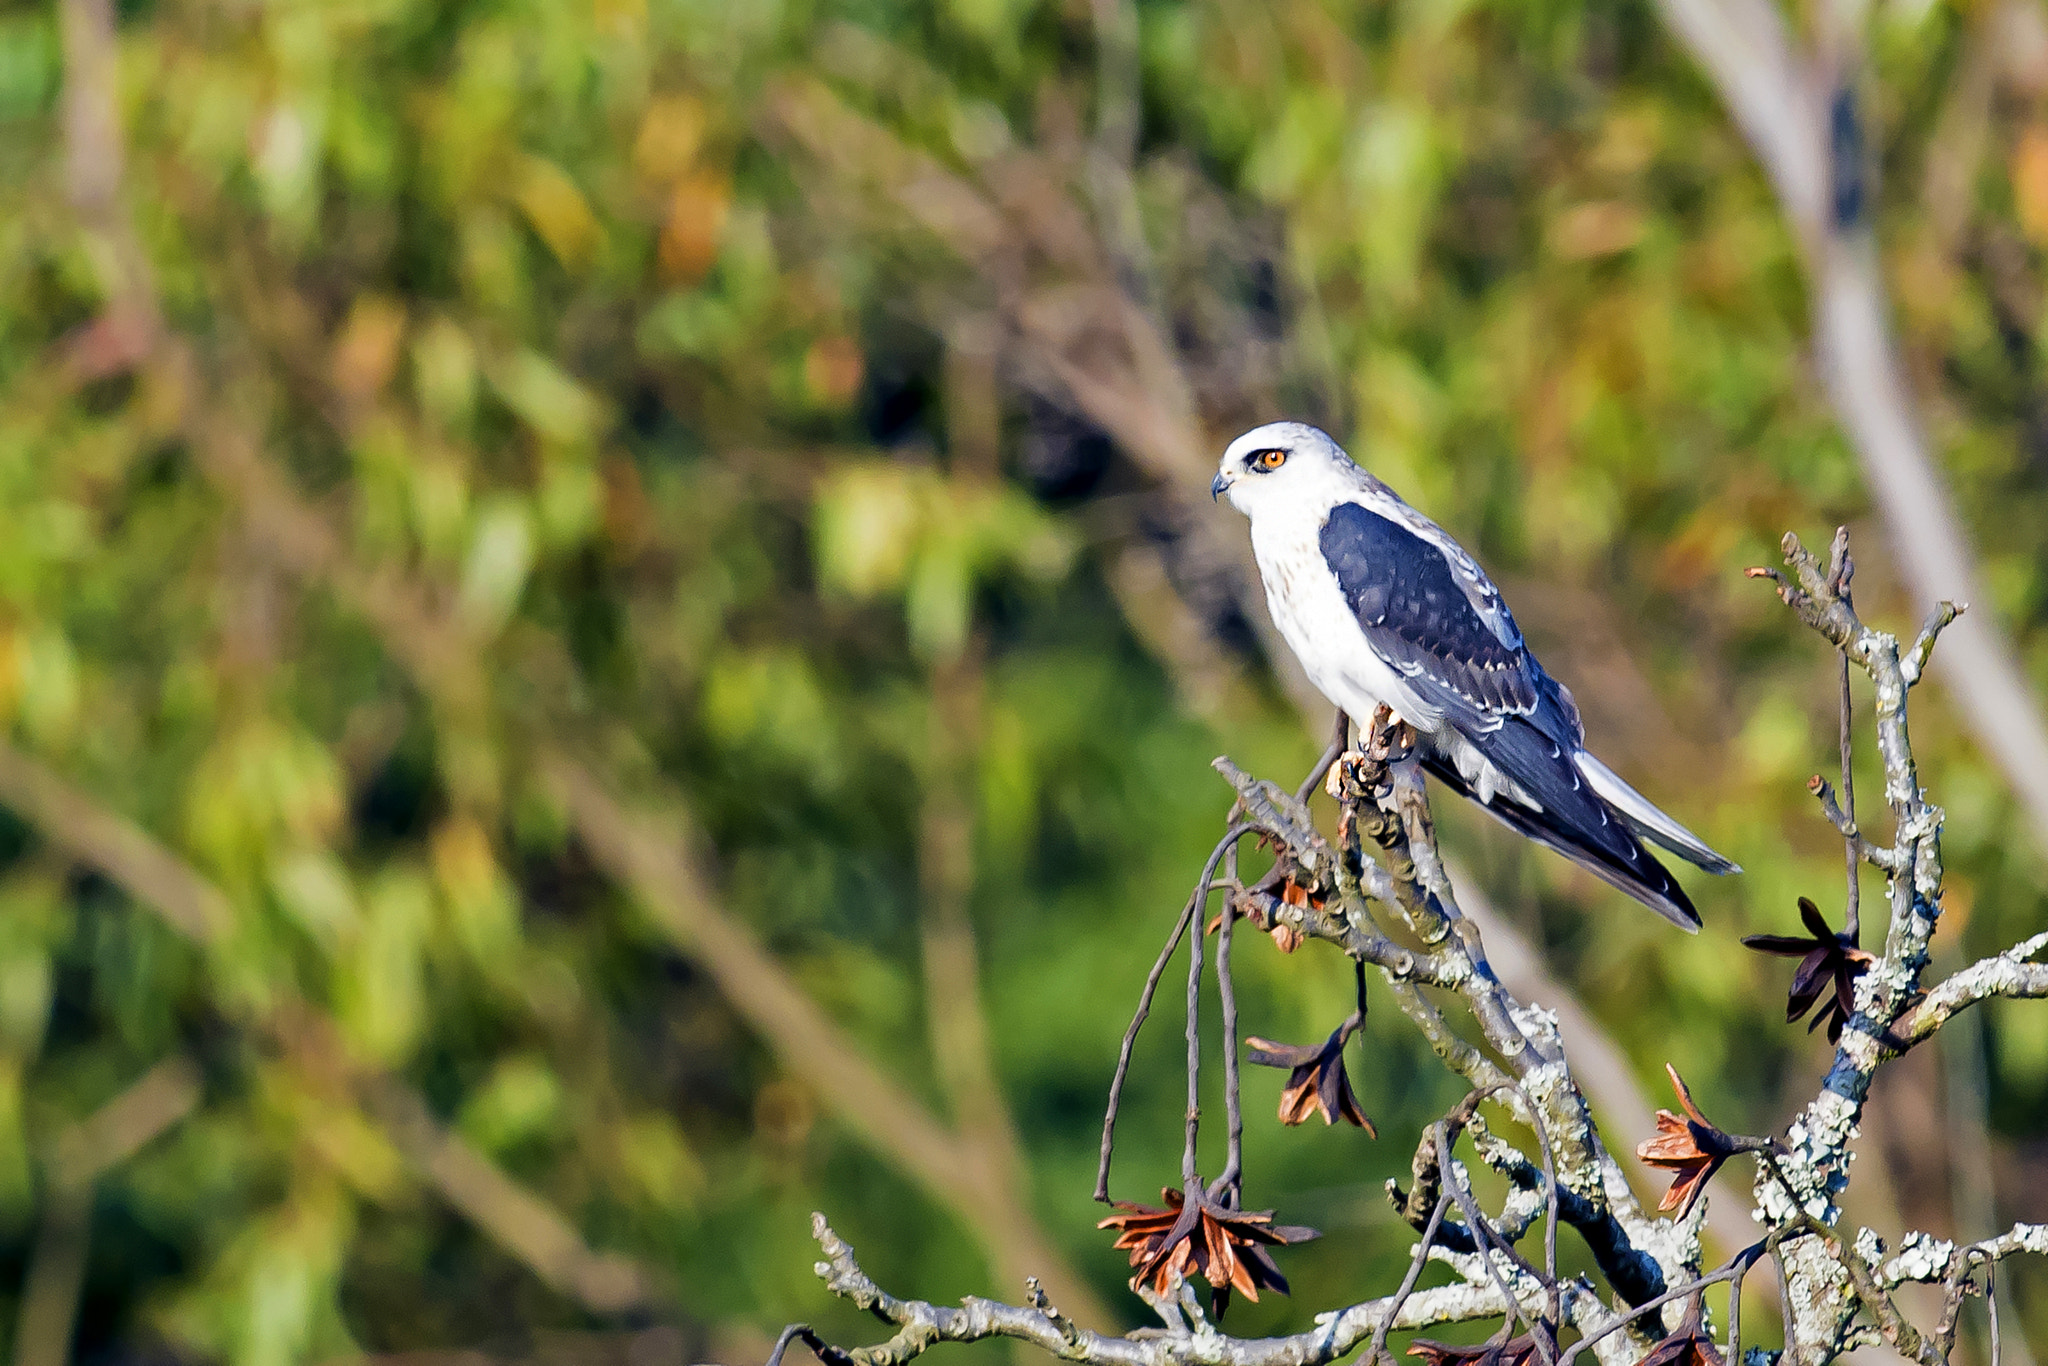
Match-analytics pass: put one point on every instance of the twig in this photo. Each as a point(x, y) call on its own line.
point(1914, 665)
point(1233, 1167)
point(801, 1332)
point(1190, 1179)
point(1733, 1271)
point(1842, 569)
point(1123, 1060)
point(159, 880)
point(1991, 1306)
point(2008, 974)
point(1735, 1312)
point(1876, 855)
point(1475, 1222)
point(1417, 1259)
point(653, 858)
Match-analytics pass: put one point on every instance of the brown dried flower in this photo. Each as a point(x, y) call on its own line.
point(1225, 1247)
point(1825, 959)
point(1516, 1351)
point(1319, 1083)
point(1691, 1148)
point(1258, 907)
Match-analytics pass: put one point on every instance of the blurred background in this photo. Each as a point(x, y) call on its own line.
point(609, 632)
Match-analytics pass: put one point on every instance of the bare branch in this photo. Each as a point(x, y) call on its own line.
point(1915, 662)
point(1598, 1065)
point(158, 879)
point(2008, 974)
point(1784, 100)
point(921, 1325)
point(653, 857)
point(1876, 855)
point(82, 1152)
point(1526, 1039)
point(1927, 1259)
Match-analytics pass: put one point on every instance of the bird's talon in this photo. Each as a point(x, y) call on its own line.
point(1342, 782)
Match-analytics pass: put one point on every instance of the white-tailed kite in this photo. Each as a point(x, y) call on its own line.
point(1382, 606)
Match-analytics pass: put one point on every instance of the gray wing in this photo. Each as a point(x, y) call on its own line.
point(1429, 611)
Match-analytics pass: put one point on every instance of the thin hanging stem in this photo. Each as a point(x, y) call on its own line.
point(1196, 901)
point(1991, 1303)
point(1190, 1179)
point(1233, 1110)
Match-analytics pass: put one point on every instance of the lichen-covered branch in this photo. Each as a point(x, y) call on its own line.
point(1930, 1260)
point(1385, 802)
point(2008, 974)
point(1830, 1283)
point(921, 1325)
point(1394, 908)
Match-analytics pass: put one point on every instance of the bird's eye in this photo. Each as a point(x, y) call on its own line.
point(1270, 460)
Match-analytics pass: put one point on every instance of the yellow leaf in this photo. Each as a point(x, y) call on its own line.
point(559, 213)
point(1586, 231)
point(671, 132)
point(870, 519)
point(545, 398)
point(366, 352)
point(2030, 181)
point(832, 371)
point(695, 226)
point(480, 898)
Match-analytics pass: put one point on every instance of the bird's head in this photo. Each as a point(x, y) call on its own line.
point(1284, 463)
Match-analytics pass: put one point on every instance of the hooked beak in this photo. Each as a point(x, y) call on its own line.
point(1216, 486)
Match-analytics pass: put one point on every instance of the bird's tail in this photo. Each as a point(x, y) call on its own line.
point(1647, 820)
point(1604, 846)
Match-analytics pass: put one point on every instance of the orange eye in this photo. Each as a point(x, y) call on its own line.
point(1270, 460)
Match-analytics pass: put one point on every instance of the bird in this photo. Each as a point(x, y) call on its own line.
point(1383, 607)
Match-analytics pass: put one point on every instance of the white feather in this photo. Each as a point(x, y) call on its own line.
point(1648, 821)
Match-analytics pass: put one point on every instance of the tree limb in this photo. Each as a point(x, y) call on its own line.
point(2008, 974)
point(158, 879)
point(921, 1325)
point(1784, 101)
point(651, 856)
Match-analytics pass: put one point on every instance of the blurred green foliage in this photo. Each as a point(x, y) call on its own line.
point(667, 382)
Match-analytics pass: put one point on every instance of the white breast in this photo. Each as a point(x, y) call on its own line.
point(1309, 609)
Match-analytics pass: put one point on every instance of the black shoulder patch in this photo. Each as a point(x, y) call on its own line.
point(1408, 602)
